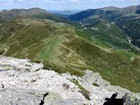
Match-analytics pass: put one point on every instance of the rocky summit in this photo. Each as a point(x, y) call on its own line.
point(25, 83)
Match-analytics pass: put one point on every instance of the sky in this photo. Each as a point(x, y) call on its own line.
point(65, 4)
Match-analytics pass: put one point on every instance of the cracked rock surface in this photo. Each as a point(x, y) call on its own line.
point(20, 97)
point(26, 83)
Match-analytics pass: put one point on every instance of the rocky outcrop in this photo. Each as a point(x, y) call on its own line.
point(29, 82)
point(26, 83)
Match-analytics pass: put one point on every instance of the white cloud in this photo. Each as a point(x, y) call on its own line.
point(64, 1)
point(66, 4)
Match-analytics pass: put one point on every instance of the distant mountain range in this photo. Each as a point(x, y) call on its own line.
point(93, 40)
point(127, 11)
point(64, 13)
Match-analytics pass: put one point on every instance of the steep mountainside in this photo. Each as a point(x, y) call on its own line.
point(127, 19)
point(11, 14)
point(128, 11)
point(7, 15)
point(60, 47)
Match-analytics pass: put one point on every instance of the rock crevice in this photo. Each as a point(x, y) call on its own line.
point(42, 101)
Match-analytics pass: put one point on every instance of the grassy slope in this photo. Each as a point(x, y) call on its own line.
point(105, 33)
point(59, 47)
point(125, 18)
